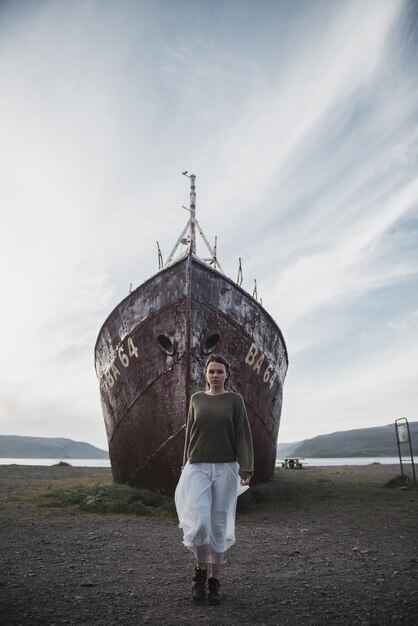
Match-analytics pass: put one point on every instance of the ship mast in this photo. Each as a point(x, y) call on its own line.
point(192, 221)
point(191, 226)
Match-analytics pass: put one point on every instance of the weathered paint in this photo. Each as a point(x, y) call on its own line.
point(149, 359)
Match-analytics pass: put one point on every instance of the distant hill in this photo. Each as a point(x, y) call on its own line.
point(47, 448)
point(378, 441)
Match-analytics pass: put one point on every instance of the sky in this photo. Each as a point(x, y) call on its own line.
point(299, 119)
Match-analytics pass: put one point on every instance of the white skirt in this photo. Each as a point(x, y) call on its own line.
point(206, 502)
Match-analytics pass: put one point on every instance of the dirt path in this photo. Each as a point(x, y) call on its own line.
point(337, 548)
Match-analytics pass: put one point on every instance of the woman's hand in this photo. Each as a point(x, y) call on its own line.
point(245, 481)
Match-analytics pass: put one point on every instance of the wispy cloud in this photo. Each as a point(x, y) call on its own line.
point(303, 130)
point(371, 389)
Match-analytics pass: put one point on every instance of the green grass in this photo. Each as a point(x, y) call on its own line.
point(399, 482)
point(286, 491)
point(114, 498)
point(110, 498)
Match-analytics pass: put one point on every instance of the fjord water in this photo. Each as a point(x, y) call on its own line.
point(308, 462)
point(73, 462)
point(354, 460)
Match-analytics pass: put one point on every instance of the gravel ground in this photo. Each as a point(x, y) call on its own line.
point(336, 548)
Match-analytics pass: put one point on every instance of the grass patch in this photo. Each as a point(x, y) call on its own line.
point(264, 494)
point(290, 490)
point(399, 482)
point(110, 498)
point(287, 491)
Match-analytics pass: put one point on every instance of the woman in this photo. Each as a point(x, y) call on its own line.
point(218, 449)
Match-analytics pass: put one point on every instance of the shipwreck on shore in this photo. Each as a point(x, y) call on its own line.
point(150, 354)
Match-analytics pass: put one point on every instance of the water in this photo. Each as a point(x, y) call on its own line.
point(357, 460)
point(73, 462)
point(383, 460)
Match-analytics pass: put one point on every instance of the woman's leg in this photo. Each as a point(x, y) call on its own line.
point(224, 494)
point(216, 570)
point(214, 586)
point(199, 584)
point(199, 507)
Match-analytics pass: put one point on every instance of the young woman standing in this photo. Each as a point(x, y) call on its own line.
point(218, 450)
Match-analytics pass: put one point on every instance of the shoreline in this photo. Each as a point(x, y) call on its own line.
point(309, 461)
point(18, 481)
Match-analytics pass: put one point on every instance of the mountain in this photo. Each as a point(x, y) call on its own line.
point(47, 448)
point(285, 450)
point(363, 442)
point(378, 441)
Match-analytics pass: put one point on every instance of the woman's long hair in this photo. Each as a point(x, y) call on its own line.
point(216, 358)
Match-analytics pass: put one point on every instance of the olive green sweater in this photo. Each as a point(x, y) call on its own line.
point(218, 431)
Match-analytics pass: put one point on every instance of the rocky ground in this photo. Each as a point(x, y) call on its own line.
point(335, 547)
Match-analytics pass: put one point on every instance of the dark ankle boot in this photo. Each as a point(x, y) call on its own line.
point(199, 584)
point(214, 595)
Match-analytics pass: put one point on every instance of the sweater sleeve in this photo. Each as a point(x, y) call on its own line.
point(243, 441)
point(190, 418)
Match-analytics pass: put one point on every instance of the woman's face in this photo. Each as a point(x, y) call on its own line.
point(216, 375)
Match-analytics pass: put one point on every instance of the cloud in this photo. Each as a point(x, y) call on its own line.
point(370, 390)
point(279, 118)
point(302, 130)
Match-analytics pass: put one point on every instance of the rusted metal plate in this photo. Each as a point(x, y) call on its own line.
point(149, 359)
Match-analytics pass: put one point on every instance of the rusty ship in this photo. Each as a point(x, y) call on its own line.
point(149, 359)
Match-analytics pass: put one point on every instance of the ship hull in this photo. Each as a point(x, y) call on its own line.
point(149, 359)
